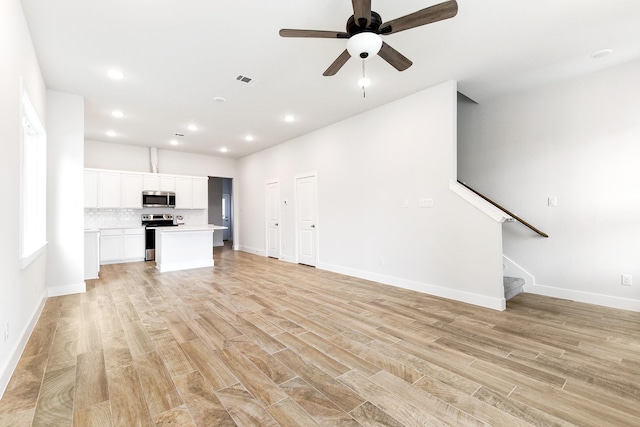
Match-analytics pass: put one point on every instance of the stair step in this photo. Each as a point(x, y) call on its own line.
point(512, 286)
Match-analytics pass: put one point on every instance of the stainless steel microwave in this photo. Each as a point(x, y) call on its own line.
point(158, 199)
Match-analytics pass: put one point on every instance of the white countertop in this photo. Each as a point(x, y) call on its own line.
point(135, 227)
point(181, 228)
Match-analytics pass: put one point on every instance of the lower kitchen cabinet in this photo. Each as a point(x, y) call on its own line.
point(91, 254)
point(134, 244)
point(121, 245)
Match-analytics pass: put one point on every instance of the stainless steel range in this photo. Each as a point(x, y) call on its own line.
point(151, 222)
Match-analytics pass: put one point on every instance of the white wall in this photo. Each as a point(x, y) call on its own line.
point(366, 167)
point(577, 140)
point(65, 207)
point(108, 155)
point(22, 292)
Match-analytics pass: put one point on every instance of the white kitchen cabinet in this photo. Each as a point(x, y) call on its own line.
point(118, 189)
point(131, 190)
point(111, 246)
point(121, 245)
point(184, 193)
point(151, 182)
point(134, 244)
point(192, 193)
point(167, 183)
point(90, 189)
point(200, 193)
point(109, 192)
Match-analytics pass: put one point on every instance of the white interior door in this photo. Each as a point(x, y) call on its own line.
point(273, 219)
point(306, 219)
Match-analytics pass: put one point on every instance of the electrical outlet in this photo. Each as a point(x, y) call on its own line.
point(425, 203)
point(627, 280)
point(6, 332)
point(381, 262)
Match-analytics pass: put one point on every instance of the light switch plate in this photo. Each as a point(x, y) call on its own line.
point(552, 201)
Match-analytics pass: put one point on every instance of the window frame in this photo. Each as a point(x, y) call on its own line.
point(33, 183)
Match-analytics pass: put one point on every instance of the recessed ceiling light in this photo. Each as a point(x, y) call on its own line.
point(173, 142)
point(111, 133)
point(224, 149)
point(601, 53)
point(192, 127)
point(289, 118)
point(219, 99)
point(249, 138)
point(117, 114)
point(115, 74)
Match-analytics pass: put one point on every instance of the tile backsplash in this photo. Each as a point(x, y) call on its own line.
point(125, 218)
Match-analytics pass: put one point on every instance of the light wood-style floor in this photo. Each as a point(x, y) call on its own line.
point(260, 342)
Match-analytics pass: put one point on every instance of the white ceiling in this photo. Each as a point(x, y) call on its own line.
point(178, 55)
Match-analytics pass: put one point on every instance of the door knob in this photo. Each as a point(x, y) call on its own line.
point(313, 226)
point(276, 224)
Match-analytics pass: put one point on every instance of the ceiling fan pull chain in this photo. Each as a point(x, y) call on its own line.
point(364, 94)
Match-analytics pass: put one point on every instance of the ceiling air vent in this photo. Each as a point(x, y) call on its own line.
point(244, 79)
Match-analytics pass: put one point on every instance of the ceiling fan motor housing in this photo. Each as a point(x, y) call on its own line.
point(354, 28)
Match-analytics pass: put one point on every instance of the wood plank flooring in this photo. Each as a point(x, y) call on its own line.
point(260, 342)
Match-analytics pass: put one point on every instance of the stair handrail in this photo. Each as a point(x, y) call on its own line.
point(511, 214)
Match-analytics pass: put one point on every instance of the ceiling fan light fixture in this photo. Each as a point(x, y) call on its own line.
point(364, 82)
point(363, 45)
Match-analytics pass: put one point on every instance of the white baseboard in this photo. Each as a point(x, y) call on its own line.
point(184, 265)
point(12, 362)
point(254, 251)
point(439, 291)
point(77, 288)
point(514, 270)
point(586, 297)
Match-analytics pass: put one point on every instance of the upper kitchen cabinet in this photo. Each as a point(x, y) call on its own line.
point(157, 182)
point(90, 189)
point(109, 190)
point(131, 190)
point(119, 189)
point(184, 193)
point(168, 183)
point(200, 193)
point(191, 193)
point(151, 182)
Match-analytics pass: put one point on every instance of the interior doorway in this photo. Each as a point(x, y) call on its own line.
point(221, 209)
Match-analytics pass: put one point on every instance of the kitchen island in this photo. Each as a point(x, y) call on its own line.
point(185, 247)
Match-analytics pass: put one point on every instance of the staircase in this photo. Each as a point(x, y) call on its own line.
point(512, 286)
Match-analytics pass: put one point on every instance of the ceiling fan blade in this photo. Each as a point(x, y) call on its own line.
point(395, 58)
point(362, 12)
point(337, 64)
point(320, 34)
point(435, 13)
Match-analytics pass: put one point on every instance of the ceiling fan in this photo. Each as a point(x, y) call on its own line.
point(365, 27)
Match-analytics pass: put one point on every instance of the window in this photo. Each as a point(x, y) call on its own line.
point(33, 184)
